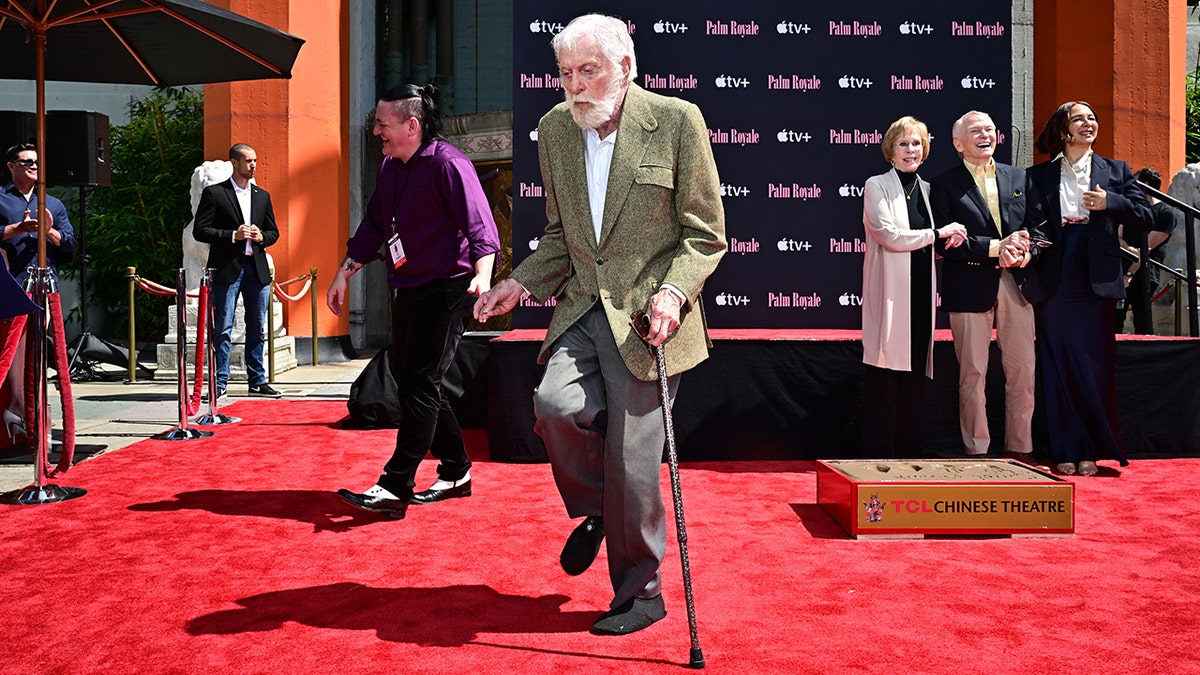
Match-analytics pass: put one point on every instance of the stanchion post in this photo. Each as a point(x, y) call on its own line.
point(181, 432)
point(214, 416)
point(131, 274)
point(270, 331)
point(312, 292)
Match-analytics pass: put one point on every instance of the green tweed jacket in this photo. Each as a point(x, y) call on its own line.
point(663, 223)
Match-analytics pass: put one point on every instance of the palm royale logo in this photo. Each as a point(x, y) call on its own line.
point(976, 29)
point(793, 300)
point(855, 29)
point(542, 81)
point(669, 81)
point(917, 83)
point(839, 245)
point(793, 191)
point(793, 82)
point(731, 28)
point(732, 137)
point(742, 247)
point(855, 137)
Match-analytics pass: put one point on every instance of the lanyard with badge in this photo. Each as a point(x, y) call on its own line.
point(395, 246)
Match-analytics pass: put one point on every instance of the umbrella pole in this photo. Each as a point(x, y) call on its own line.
point(37, 432)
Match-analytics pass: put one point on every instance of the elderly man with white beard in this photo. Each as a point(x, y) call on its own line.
point(635, 222)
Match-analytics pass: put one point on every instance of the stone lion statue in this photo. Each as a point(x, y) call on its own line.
point(195, 253)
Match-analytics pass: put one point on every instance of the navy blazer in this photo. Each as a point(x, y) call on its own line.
point(971, 279)
point(1127, 205)
point(219, 215)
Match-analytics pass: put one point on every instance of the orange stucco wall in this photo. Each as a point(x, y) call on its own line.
point(299, 130)
point(1127, 59)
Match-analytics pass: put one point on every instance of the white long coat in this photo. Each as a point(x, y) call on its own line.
point(886, 298)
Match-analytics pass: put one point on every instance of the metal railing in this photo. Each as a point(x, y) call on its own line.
point(1186, 278)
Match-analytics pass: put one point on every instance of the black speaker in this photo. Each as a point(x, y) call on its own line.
point(15, 127)
point(77, 148)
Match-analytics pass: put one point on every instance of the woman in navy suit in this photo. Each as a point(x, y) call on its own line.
point(1076, 201)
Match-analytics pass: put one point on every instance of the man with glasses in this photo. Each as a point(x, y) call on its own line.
point(19, 211)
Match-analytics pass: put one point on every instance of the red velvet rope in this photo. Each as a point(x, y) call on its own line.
point(158, 289)
point(303, 291)
point(60, 362)
point(193, 404)
point(12, 337)
point(62, 365)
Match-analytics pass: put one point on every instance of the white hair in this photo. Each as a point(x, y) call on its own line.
point(611, 36)
point(961, 122)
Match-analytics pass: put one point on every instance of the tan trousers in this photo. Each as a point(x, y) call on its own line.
point(1012, 318)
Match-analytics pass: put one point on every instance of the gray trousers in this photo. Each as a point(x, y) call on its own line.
point(603, 430)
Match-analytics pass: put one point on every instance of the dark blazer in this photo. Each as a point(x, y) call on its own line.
point(1127, 205)
point(219, 215)
point(970, 279)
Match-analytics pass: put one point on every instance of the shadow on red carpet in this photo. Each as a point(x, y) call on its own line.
point(233, 554)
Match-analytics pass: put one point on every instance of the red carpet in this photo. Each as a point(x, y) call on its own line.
point(231, 554)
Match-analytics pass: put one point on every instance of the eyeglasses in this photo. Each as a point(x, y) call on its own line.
point(26, 162)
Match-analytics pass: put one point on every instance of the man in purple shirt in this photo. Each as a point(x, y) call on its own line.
point(435, 228)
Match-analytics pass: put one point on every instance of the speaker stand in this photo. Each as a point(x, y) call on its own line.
point(87, 351)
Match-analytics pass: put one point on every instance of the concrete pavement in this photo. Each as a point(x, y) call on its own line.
point(115, 414)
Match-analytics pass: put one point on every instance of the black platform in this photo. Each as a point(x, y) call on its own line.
point(798, 395)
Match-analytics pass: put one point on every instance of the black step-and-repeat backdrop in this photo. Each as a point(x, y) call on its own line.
point(797, 97)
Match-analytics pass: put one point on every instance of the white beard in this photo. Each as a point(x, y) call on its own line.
point(600, 111)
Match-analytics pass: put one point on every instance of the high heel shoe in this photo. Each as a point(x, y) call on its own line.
point(14, 423)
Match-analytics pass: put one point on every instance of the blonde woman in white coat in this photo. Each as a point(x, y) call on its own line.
point(899, 294)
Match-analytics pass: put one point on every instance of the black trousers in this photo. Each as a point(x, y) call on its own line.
point(892, 409)
point(427, 325)
point(1077, 360)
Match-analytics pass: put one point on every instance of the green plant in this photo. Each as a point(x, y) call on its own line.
point(138, 222)
point(1192, 103)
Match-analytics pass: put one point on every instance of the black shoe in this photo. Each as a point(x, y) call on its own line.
point(431, 495)
point(390, 506)
point(1029, 458)
point(220, 394)
point(582, 546)
point(264, 390)
point(630, 617)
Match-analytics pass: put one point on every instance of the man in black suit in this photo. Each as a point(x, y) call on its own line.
point(988, 198)
point(236, 219)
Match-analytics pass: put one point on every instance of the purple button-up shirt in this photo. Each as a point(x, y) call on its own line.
point(439, 210)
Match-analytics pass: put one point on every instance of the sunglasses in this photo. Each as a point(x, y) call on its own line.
point(1038, 238)
point(26, 162)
